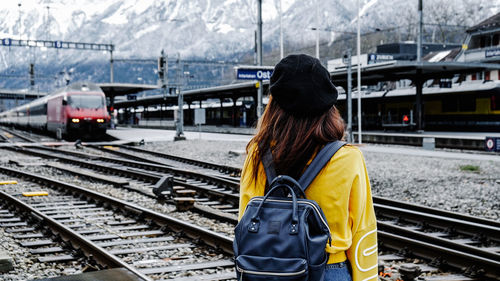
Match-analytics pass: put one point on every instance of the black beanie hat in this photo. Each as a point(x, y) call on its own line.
point(302, 86)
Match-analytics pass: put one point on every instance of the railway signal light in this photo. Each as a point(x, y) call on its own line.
point(405, 119)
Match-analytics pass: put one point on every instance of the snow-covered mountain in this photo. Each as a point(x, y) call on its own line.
point(205, 29)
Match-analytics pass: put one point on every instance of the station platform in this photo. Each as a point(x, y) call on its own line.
point(435, 134)
point(154, 135)
point(224, 129)
point(419, 151)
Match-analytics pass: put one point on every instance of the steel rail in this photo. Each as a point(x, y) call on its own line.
point(454, 258)
point(209, 237)
point(376, 199)
point(438, 222)
point(425, 215)
point(78, 241)
point(438, 212)
point(418, 208)
point(128, 155)
point(19, 135)
point(129, 173)
point(203, 164)
point(147, 177)
point(161, 168)
point(421, 236)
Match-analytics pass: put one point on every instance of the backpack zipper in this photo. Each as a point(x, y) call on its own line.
point(304, 202)
point(269, 273)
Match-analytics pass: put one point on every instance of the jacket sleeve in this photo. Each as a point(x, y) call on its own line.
point(363, 252)
point(250, 187)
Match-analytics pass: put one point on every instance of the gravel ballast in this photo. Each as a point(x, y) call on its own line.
point(465, 186)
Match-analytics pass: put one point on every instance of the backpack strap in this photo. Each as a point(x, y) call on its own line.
point(267, 161)
point(323, 157)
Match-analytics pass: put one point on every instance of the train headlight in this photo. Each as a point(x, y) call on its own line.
point(100, 120)
point(75, 120)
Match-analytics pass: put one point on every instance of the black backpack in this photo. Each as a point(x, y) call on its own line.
point(284, 238)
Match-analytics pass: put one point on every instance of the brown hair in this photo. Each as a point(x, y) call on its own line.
point(293, 140)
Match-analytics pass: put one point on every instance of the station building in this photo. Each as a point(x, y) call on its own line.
point(455, 87)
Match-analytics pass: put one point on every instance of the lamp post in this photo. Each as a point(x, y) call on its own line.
point(317, 29)
point(359, 74)
point(259, 56)
point(418, 80)
point(347, 60)
point(281, 32)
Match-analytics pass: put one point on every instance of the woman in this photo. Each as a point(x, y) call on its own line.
point(299, 119)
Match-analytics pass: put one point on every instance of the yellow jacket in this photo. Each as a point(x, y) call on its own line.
point(342, 190)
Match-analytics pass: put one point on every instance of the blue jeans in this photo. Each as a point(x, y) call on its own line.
point(337, 272)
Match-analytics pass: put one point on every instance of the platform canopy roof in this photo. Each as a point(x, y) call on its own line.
point(397, 70)
point(487, 24)
point(122, 89)
point(220, 92)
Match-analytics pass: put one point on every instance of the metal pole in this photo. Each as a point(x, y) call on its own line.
point(420, 27)
point(419, 80)
point(418, 87)
point(317, 29)
point(163, 79)
point(259, 56)
point(349, 97)
point(19, 28)
point(281, 32)
point(180, 117)
point(111, 76)
point(359, 75)
point(165, 75)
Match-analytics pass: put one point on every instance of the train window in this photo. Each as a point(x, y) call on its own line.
point(495, 102)
point(467, 103)
point(86, 101)
point(449, 104)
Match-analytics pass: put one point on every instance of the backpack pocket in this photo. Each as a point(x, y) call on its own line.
point(255, 268)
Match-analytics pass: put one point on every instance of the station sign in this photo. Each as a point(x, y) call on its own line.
point(254, 72)
point(492, 144)
point(492, 53)
point(58, 44)
point(374, 58)
point(6, 41)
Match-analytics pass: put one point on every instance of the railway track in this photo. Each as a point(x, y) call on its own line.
point(115, 233)
point(219, 196)
point(460, 240)
point(22, 136)
point(467, 246)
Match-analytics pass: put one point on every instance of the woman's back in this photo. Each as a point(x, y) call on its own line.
point(298, 121)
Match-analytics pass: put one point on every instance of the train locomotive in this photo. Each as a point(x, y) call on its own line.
point(76, 111)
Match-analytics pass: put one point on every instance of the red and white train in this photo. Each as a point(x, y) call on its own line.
point(78, 110)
